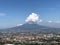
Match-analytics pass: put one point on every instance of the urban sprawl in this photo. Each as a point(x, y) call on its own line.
point(29, 38)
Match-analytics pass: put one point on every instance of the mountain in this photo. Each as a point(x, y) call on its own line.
point(28, 26)
point(35, 27)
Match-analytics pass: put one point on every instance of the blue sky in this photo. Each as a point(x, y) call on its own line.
point(13, 12)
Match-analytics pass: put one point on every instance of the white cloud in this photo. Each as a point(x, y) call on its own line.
point(2, 14)
point(54, 21)
point(34, 18)
point(50, 21)
point(19, 24)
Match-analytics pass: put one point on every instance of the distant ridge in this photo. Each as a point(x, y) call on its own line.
point(33, 27)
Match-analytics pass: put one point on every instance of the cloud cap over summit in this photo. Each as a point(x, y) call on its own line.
point(33, 17)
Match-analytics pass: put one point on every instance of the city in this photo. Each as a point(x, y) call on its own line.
point(29, 38)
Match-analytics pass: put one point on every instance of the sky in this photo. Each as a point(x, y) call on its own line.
point(13, 12)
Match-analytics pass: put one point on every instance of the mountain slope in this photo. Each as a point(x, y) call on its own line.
point(30, 27)
point(33, 27)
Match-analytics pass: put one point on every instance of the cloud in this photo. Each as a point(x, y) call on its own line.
point(2, 14)
point(34, 18)
point(54, 21)
point(50, 21)
point(19, 24)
